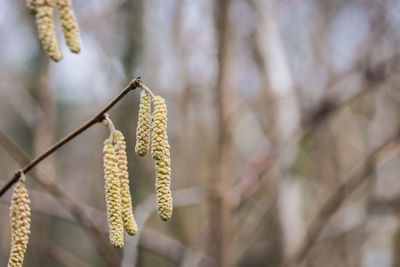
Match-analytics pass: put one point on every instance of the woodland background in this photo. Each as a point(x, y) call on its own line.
point(283, 122)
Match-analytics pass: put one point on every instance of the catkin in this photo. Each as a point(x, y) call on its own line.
point(163, 185)
point(160, 152)
point(126, 199)
point(144, 124)
point(113, 195)
point(159, 138)
point(20, 221)
point(46, 28)
point(69, 25)
point(31, 5)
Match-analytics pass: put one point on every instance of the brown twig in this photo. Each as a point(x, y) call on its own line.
point(95, 119)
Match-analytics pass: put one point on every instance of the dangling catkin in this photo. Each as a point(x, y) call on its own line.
point(31, 5)
point(126, 199)
point(160, 152)
point(113, 195)
point(46, 28)
point(144, 124)
point(159, 138)
point(69, 25)
point(20, 221)
point(163, 185)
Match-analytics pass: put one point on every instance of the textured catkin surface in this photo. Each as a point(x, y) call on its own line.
point(126, 199)
point(69, 25)
point(159, 138)
point(46, 29)
point(163, 191)
point(144, 124)
point(20, 221)
point(31, 5)
point(160, 152)
point(113, 195)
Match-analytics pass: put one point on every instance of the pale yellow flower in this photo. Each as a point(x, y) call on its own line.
point(20, 213)
point(126, 199)
point(113, 195)
point(69, 25)
point(144, 124)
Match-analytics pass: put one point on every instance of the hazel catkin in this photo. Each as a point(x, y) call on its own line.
point(144, 124)
point(163, 188)
point(20, 221)
point(160, 152)
point(159, 138)
point(126, 199)
point(113, 195)
point(46, 29)
point(31, 5)
point(69, 25)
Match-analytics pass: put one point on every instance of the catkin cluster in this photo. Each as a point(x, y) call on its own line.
point(161, 154)
point(44, 12)
point(144, 124)
point(118, 196)
point(20, 221)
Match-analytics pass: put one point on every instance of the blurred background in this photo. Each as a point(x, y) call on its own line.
point(283, 123)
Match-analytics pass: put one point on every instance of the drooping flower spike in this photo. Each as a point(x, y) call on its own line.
point(160, 152)
point(143, 125)
point(69, 25)
point(126, 199)
point(44, 11)
point(20, 220)
point(113, 194)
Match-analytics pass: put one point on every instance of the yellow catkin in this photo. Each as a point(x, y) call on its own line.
point(20, 221)
point(144, 124)
point(46, 29)
point(159, 138)
point(126, 199)
point(160, 152)
point(31, 5)
point(113, 195)
point(163, 188)
point(69, 25)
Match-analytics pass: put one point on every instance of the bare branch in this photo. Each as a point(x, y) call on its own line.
point(95, 119)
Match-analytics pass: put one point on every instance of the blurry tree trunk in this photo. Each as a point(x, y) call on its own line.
point(289, 188)
point(219, 178)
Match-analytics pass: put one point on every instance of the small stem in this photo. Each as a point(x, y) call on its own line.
point(22, 176)
point(108, 122)
point(144, 87)
point(98, 118)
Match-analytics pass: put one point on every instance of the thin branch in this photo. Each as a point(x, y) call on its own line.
point(99, 117)
point(144, 87)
